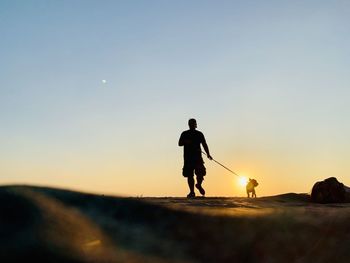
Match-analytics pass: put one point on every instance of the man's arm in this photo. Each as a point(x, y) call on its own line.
point(183, 140)
point(206, 148)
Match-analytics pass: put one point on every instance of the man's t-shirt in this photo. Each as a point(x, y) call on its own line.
point(192, 150)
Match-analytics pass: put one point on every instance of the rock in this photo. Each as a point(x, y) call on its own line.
point(330, 191)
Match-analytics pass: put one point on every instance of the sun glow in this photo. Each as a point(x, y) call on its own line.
point(242, 181)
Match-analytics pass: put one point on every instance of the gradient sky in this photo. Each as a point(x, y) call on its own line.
point(267, 81)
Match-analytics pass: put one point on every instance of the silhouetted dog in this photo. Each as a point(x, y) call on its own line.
point(251, 187)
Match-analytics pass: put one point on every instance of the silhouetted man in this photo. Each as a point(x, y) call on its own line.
point(193, 162)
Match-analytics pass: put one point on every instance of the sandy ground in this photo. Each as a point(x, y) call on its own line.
point(54, 225)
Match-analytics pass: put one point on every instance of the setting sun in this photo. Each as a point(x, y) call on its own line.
point(242, 180)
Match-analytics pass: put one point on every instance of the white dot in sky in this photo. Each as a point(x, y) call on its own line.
point(104, 81)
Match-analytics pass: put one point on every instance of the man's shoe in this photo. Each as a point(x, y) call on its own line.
point(191, 195)
point(200, 188)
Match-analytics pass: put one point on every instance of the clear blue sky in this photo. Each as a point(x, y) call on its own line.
point(268, 82)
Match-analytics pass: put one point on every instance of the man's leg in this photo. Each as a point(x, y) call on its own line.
point(199, 185)
point(190, 181)
point(200, 179)
point(187, 171)
point(200, 172)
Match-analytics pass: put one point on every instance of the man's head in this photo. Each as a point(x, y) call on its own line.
point(192, 123)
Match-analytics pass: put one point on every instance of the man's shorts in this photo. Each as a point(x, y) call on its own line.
point(190, 169)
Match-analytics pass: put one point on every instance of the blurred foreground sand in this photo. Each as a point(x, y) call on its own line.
point(54, 225)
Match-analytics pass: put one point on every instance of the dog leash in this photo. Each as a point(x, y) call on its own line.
point(228, 169)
